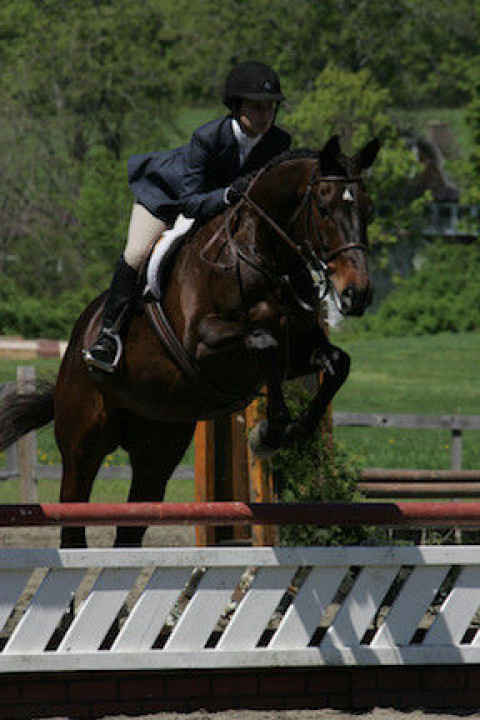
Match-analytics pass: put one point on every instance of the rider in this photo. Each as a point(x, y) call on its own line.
point(200, 179)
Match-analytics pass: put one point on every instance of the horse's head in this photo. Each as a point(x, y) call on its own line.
point(317, 205)
point(337, 217)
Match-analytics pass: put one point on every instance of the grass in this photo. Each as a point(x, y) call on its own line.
point(181, 489)
point(424, 375)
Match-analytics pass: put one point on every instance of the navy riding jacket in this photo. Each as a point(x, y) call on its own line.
point(192, 179)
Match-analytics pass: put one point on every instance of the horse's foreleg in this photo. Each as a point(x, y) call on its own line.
point(155, 449)
point(267, 435)
point(77, 480)
point(335, 364)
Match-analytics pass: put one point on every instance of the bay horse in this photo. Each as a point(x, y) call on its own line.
point(243, 302)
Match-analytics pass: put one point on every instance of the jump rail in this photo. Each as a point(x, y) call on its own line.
point(412, 514)
point(161, 629)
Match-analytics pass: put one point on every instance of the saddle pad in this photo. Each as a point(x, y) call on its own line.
point(164, 250)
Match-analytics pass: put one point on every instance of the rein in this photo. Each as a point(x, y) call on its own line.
point(312, 260)
point(319, 264)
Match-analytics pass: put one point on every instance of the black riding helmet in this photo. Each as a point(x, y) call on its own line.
point(251, 81)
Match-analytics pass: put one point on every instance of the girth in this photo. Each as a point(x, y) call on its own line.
point(185, 362)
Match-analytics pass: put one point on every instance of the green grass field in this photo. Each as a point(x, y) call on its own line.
point(424, 375)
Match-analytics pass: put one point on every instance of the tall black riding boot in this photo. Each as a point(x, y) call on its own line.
point(106, 351)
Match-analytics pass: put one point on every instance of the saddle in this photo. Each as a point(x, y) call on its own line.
point(162, 255)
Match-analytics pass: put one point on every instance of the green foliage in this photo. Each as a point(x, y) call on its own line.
point(471, 167)
point(84, 84)
point(35, 317)
point(422, 51)
point(350, 104)
point(312, 471)
point(442, 295)
point(102, 215)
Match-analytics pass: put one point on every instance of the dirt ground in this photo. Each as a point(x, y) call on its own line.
point(103, 537)
point(377, 714)
point(96, 537)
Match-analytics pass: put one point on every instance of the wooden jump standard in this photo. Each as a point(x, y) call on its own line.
point(225, 470)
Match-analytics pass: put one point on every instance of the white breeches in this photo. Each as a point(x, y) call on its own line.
point(143, 231)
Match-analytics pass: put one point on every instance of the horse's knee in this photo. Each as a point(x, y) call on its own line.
point(334, 362)
point(341, 363)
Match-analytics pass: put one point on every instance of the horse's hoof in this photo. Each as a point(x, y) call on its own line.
point(259, 443)
point(296, 432)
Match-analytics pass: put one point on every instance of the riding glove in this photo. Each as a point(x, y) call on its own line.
point(236, 190)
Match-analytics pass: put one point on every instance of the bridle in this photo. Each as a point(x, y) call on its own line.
point(318, 266)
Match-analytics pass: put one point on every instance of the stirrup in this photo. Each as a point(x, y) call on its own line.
point(94, 362)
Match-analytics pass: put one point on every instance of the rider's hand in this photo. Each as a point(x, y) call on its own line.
point(236, 190)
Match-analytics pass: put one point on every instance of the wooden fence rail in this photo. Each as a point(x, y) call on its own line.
point(21, 460)
point(456, 424)
point(402, 483)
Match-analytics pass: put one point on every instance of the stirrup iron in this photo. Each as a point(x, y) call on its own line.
point(92, 362)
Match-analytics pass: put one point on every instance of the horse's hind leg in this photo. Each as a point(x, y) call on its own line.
point(84, 434)
point(155, 449)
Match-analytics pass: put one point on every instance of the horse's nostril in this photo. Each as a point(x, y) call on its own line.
point(355, 300)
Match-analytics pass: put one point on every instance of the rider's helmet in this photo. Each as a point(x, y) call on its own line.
point(251, 81)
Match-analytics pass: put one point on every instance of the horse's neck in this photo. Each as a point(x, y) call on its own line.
point(276, 192)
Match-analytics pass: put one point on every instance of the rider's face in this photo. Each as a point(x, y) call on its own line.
point(257, 116)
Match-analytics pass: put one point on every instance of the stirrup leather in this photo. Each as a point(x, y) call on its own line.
point(94, 362)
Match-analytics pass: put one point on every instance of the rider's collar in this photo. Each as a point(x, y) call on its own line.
point(245, 142)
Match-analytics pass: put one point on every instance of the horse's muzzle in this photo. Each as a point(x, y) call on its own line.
point(355, 300)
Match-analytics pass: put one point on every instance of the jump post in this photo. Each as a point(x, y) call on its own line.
point(225, 470)
point(85, 633)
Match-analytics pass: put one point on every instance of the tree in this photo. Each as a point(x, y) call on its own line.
point(80, 77)
point(472, 168)
point(102, 214)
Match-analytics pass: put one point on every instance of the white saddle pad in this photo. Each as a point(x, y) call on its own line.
point(161, 253)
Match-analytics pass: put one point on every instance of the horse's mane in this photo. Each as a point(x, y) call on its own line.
point(299, 154)
point(341, 161)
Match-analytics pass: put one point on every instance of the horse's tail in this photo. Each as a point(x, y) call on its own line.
point(22, 412)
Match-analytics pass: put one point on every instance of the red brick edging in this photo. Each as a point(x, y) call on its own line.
point(96, 694)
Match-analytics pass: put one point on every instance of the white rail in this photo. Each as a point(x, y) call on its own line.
point(238, 607)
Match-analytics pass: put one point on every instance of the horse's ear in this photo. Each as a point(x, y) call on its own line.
point(367, 155)
point(330, 151)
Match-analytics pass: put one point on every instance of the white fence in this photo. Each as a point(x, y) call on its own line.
point(167, 608)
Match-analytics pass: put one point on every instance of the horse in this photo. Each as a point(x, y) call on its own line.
point(243, 302)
